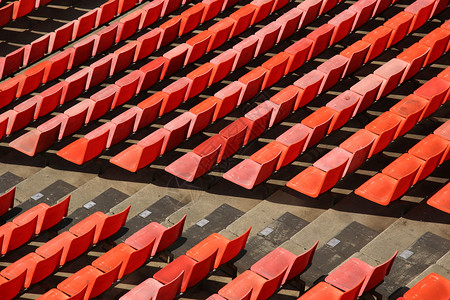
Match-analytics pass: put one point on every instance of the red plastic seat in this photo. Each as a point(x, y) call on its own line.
point(8, 91)
point(6, 13)
point(55, 294)
point(72, 245)
point(106, 38)
point(252, 83)
point(433, 286)
point(245, 51)
point(368, 88)
point(58, 64)
point(201, 116)
point(199, 80)
point(127, 88)
point(443, 131)
point(379, 39)
point(257, 121)
point(273, 263)
point(294, 139)
point(10, 288)
point(7, 201)
point(318, 123)
point(129, 258)
point(343, 24)
point(121, 127)
point(194, 271)
point(62, 36)
point(174, 94)
point(422, 11)
point(36, 49)
point(323, 175)
point(151, 72)
point(411, 109)
point(251, 172)
point(310, 10)
point(147, 111)
point(350, 273)
point(222, 65)
point(289, 22)
point(151, 13)
point(48, 216)
point(431, 150)
point(22, 8)
point(323, 290)
point(242, 19)
point(212, 9)
point(75, 85)
point(391, 73)
point(343, 107)
point(381, 6)
point(364, 10)
point(400, 24)
point(276, 67)
point(85, 23)
point(105, 225)
point(170, 6)
point(260, 287)
point(226, 249)
point(356, 53)
point(435, 92)
point(155, 290)
point(445, 75)
point(101, 102)
point(99, 71)
point(197, 46)
point(128, 25)
point(283, 104)
point(84, 50)
point(20, 116)
point(333, 69)
point(49, 99)
point(327, 5)
point(11, 62)
point(393, 182)
point(147, 44)
point(264, 8)
point(36, 267)
point(15, 235)
point(415, 57)
point(123, 57)
point(97, 281)
point(163, 237)
point(32, 80)
point(107, 12)
point(268, 36)
point(441, 200)
point(177, 131)
point(170, 30)
point(226, 99)
point(385, 126)
point(320, 39)
point(174, 60)
point(358, 145)
point(234, 135)
point(220, 32)
point(309, 85)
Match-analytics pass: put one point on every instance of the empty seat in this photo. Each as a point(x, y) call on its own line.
point(289, 22)
point(356, 53)
point(199, 79)
point(243, 19)
point(385, 127)
point(320, 39)
point(128, 25)
point(415, 57)
point(283, 104)
point(368, 88)
point(323, 290)
point(310, 10)
point(438, 41)
point(264, 8)
point(121, 127)
point(226, 99)
point(8, 90)
point(201, 116)
point(440, 200)
point(6, 13)
point(152, 12)
point(245, 51)
point(107, 12)
point(62, 36)
point(20, 116)
point(220, 32)
point(151, 72)
point(127, 88)
point(234, 135)
point(433, 286)
point(99, 71)
point(85, 23)
point(74, 85)
point(391, 73)
point(400, 24)
point(15, 235)
point(101, 102)
point(36, 49)
point(364, 10)
point(11, 62)
point(170, 30)
point(252, 83)
point(106, 38)
point(222, 65)
point(177, 131)
point(257, 121)
point(333, 69)
point(379, 39)
point(32, 79)
point(170, 6)
point(123, 57)
point(318, 123)
point(22, 8)
point(147, 44)
point(58, 64)
point(174, 94)
point(212, 9)
point(268, 36)
point(359, 269)
point(343, 24)
point(435, 92)
point(147, 111)
point(275, 67)
point(343, 107)
point(309, 85)
point(358, 145)
point(294, 139)
point(10, 288)
point(197, 46)
point(421, 10)
point(83, 51)
point(174, 60)
point(410, 109)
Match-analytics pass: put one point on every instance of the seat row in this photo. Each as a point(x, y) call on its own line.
point(247, 128)
point(332, 116)
point(433, 286)
point(110, 96)
point(66, 246)
point(420, 161)
point(19, 8)
point(124, 258)
point(375, 136)
point(80, 27)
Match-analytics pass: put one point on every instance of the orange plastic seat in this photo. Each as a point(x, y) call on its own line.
point(49, 99)
point(368, 88)
point(251, 172)
point(97, 281)
point(155, 290)
point(127, 88)
point(364, 10)
point(321, 39)
point(7, 200)
point(400, 24)
point(8, 91)
point(441, 200)
point(333, 69)
point(350, 273)
point(105, 225)
point(435, 91)
point(242, 19)
point(393, 182)
point(71, 245)
point(201, 116)
point(21, 115)
point(270, 265)
point(174, 94)
point(197, 46)
point(169, 30)
point(199, 80)
point(318, 123)
point(191, 18)
point(422, 12)
point(121, 127)
point(245, 51)
point(433, 286)
point(257, 121)
point(443, 131)
point(58, 64)
point(356, 53)
point(445, 75)
point(379, 39)
point(15, 235)
point(163, 237)
point(233, 135)
point(309, 85)
point(299, 53)
point(275, 67)
point(226, 99)
point(385, 126)
point(194, 271)
point(222, 65)
point(415, 57)
point(282, 104)
point(259, 286)
point(391, 73)
point(342, 107)
point(10, 288)
point(220, 32)
point(252, 83)
point(226, 249)
point(55, 294)
point(410, 109)
point(129, 258)
point(33, 78)
point(343, 24)
point(359, 145)
point(323, 175)
point(294, 139)
point(323, 290)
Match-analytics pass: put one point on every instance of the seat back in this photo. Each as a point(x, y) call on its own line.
point(379, 273)
point(12, 287)
point(20, 235)
point(46, 267)
point(169, 236)
point(103, 282)
point(80, 295)
point(54, 214)
point(433, 286)
point(171, 289)
point(138, 258)
point(233, 248)
point(79, 245)
point(112, 224)
point(301, 262)
point(7, 201)
point(352, 294)
point(201, 269)
point(270, 286)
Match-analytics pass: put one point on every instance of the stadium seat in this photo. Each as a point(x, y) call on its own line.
point(400, 24)
point(176, 132)
point(128, 25)
point(294, 139)
point(174, 60)
point(7, 201)
point(147, 111)
point(20, 116)
point(317, 124)
point(197, 46)
point(421, 10)
point(257, 121)
point(410, 109)
point(11, 62)
point(251, 83)
point(99, 71)
point(10, 288)
point(333, 69)
point(199, 80)
point(385, 126)
point(310, 10)
point(342, 107)
point(379, 39)
point(234, 135)
point(32, 79)
point(264, 8)
point(152, 12)
point(108, 11)
point(147, 44)
point(222, 65)
point(309, 85)
point(170, 30)
point(359, 145)
point(268, 36)
point(174, 94)
point(170, 6)
point(415, 57)
point(356, 54)
point(36, 49)
point(242, 19)
point(83, 51)
point(391, 73)
point(121, 127)
point(435, 92)
point(212, 9)
point(201, 116)
point(245, 51)
point(343, 24)
point(74, 85)
point(226, 99)
point(6, 13)
point(323, 290)
point(320, 39)
point(151, 73)
point(106, 38)
point(275, 67)
point(220, 32)
point(85, 23)
point(289, 22)
point(8, 90)
point(127, 88)
point(61, 36)
point(364, 10)
point(58, 64)
point(282, 104)
point(441, 199)
point(155, 290)
point(15, 235)
point(433, 286)
point(123, 57)
point(22, 8)
point(101, 102)
point(359, 269)
point(55, 294)
point(368, 88)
